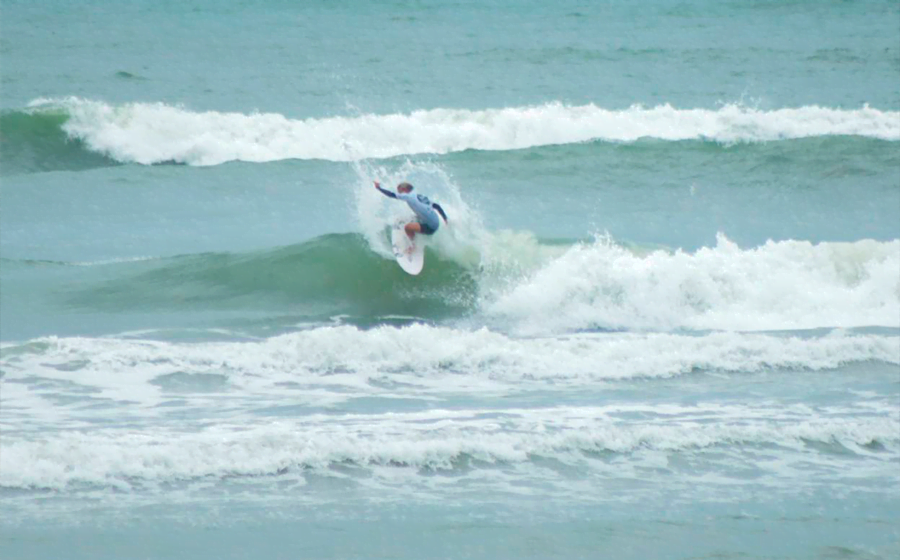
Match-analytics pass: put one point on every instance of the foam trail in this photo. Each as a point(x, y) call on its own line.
point(154, 132)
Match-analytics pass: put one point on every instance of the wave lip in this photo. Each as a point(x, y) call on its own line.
point(150, 133)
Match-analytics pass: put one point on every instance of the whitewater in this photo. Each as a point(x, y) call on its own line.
point(155, 132)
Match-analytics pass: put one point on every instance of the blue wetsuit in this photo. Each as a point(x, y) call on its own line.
point(423, 208)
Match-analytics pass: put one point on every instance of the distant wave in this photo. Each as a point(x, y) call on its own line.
point(149, 133)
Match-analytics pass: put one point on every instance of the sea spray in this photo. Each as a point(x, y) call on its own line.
point(460, 239)
point(496, 259)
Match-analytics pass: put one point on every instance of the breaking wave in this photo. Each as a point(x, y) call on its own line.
point(73, 133)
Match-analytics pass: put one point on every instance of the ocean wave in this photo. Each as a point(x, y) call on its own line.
point(434, 440)
point(517, 283)
point(149, 133)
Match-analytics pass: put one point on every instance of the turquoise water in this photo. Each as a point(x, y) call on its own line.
point(663, 321)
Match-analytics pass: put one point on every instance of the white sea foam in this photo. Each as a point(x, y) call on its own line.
point(154, 132)
point(780, 285)
point(438, 439)
point(424, 360)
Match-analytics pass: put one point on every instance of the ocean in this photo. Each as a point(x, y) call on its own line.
point(663, 320)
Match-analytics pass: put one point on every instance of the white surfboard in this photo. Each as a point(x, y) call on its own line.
point(410, 256)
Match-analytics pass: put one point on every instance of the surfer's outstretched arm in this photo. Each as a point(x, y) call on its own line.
point(383, 191)
point(440, 210)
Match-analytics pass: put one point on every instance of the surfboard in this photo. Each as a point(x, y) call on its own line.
point(410, 256)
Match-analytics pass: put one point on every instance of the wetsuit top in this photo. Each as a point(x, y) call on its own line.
point(424, 209)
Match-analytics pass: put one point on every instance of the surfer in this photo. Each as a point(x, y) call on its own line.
point(428, 222)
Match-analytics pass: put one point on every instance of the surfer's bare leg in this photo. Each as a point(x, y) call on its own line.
point(412, 229)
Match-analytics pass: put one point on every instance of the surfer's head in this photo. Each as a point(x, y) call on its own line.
point(404, 188)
